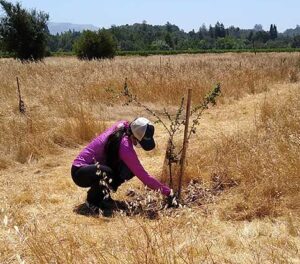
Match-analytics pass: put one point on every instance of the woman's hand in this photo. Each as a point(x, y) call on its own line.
point(172, 200)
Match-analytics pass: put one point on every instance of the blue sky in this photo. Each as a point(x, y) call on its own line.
point(187, 14)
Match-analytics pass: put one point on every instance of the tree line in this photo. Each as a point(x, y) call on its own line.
point(142, 36)
point(24, 34)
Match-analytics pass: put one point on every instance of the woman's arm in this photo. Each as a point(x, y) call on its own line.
point(129, 157)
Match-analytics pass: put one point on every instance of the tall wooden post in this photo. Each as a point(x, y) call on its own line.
point(160, 72)
point(22, 108)
point(185, 141)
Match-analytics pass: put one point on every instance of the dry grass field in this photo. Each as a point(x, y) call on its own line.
point(247, 147)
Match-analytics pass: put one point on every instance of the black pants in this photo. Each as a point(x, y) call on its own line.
point(87, 177)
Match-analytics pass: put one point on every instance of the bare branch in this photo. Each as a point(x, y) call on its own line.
point(132, 98)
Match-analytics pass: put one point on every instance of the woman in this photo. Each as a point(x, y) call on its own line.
point(110, 160)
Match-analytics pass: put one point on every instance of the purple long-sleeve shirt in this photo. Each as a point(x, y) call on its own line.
point(95, 151)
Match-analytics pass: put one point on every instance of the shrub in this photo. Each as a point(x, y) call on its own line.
point(95, 45)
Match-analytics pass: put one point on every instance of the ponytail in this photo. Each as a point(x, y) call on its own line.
point(112, 148)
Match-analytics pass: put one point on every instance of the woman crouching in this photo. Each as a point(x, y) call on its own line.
point(110, 160)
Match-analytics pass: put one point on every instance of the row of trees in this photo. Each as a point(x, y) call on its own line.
point(142, 36)
point(25, 35)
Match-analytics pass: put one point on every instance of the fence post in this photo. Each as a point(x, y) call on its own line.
point(185, 141)
point(22, 108)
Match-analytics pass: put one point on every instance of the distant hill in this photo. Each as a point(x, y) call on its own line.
point(292, 32)
point(55, 28)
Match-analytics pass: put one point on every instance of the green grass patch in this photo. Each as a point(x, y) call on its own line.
point(5, 55)
point(176, 52)
point(172, 52)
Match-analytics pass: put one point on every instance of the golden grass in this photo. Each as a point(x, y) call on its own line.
point(264, 161)
point(66, 98)
point(251, 139)
point(189, 238)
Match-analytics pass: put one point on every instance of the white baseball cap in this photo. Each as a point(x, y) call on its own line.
point(143, 130)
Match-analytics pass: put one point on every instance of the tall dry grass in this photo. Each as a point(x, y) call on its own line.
point(66, 98)
point(251, 156)
point(261, 163)
point(188, 238)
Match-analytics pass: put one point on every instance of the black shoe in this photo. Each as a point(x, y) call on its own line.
point(110, 204)
point(107, 207)
point(93, 208)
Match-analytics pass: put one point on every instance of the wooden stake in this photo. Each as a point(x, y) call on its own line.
point(160, 72)
point(22, 108)
point(185, 141)
point(18, 86)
